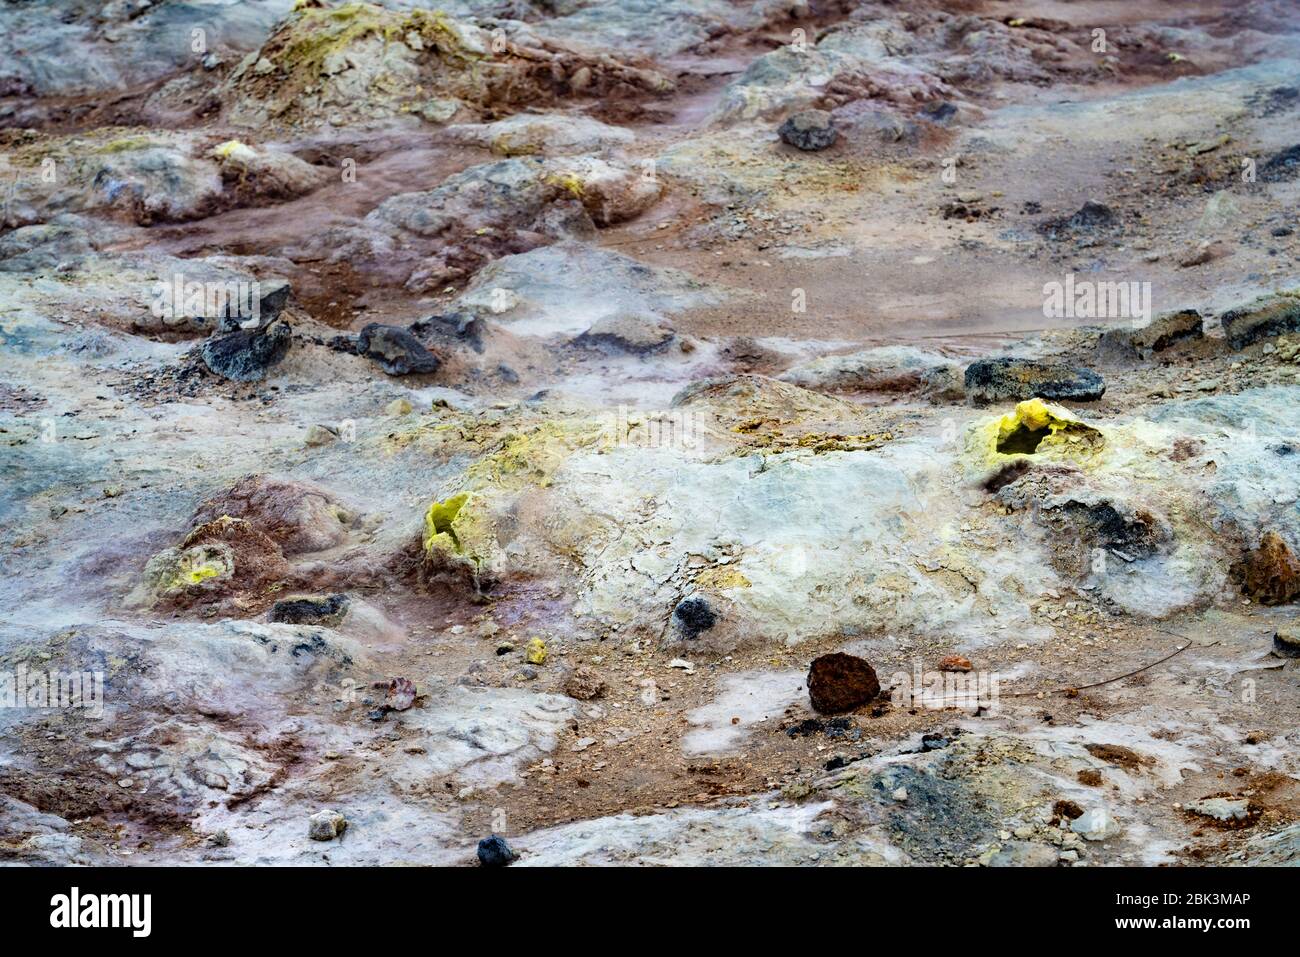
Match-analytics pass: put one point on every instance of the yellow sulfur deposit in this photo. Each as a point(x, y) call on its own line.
point(440, 521)
point(314, 34)
point(201, 573)
point(722, 577)
point(531, 456)
point(568, 181)
point(231, 149)
point(535, 652)
point(1035, 427)
point(199, 563)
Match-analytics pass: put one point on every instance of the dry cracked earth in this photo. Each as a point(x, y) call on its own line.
point(422, 421)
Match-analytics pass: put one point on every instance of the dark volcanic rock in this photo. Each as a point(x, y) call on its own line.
point(993, 380)
point(840, 682)
point(347, 344)
point(1133, 533)
point(939, 111)
point(494, 852)
point(274, 297)
point(1090, 217)
point(694, 615)
point(1286, 641)
point(1281, 166)
point(1165, 330)
point(809, 130)
point(1264, 318)
point(310, 611)
point(626, 333)
point(239, 304)
point(396, 350)
point(247, 355)
point(454, 327)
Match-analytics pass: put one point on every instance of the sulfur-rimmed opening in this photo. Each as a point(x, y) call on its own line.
point(1022, 440)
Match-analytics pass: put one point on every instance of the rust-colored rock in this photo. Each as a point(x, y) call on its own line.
point(300, 516)
point(257, 556)
point(840, 682)
point(1271, 573)
point(584, 684)
point(1067, 810)
point(955, 663)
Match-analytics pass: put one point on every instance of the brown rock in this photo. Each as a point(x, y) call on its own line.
point(1203, 253)
point(955, 663)
point(1119, 755)
point(584, 684)
point(1271, 573)
point(300, 516)
point(257, 558)
point(1067, 810)
point(840, 682)
point(399, 694)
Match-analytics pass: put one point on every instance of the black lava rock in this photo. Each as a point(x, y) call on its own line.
point(272, 297)
point(994, 380)
point(1165, 330)
point(939, 111)
point(396, 350)
point(346, 344)
point(494, 852)
point(1282, 165)
point(457, 326)
point(626, 333)
point(1286, 642)
point(809, 130)
point(694, 615)
point(310, 611)
point(832, 728)
point(247, 355)
point(1132, 532)
point(1263, 319)
point(1090, 217)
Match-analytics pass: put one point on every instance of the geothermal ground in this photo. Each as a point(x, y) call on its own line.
point(431, 420)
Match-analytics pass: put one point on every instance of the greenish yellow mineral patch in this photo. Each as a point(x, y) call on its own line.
point(513, 144)
point(440, 522)
point(509, 460)
point(174, 571)
point(232, 149)
point(531, 457)
point(200, 573)
point(125, 144)
point(200, 563)
point(316, 33)
point(570, 182)
point(721, 577)
point(535, 652)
